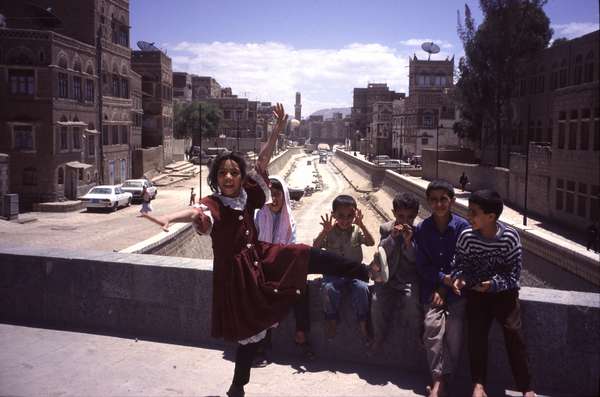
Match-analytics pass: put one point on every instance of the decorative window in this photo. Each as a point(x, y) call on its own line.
point(582, 200)
point(578, 70)
point(116, 89)
point(63, 85)
point(572, 135)
point(125, 88)
point(77, 92)
point(105, 135)
point(21, 81)
point(91, 143)
point(424, 141)
point(61, 176)
point(89, 90)
point(23, 137)
point(588, 74)
point(561, 135)
point(124, 134)
point(584, 135)
point(115, 135)
point(63, 136)
point(570, 197)
point(76, 138)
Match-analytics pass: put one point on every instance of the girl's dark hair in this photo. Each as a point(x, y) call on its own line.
point(489, 201)
point(275, 184)
point(214, 168)
point(440, 184)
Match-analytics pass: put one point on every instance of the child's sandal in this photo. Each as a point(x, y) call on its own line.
point(306, 350)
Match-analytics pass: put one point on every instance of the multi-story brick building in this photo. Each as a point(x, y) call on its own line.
point(425, 119)
point(103, 26)
point(157, 102)
point(48, 115)
point(557, 115)
point(205, 87)
point(137, 111)
point(182, 87)
point(380, 131)
point(362, 106)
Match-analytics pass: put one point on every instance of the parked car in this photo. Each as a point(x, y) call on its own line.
point(323, 158)
point(381, 159)
point(106, 196)
point(396, 164)
point(136, 186)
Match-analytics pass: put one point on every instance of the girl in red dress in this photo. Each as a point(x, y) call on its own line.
point(254, 283)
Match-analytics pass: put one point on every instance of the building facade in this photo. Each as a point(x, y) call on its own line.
point(557, 116)
point(426, 118)
point(182, 87)
point(157, 99)
point(205, 87)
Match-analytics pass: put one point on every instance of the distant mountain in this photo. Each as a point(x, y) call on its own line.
point(328, 113)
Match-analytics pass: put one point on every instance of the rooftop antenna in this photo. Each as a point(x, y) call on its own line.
point(431, 48)
point(145, 46)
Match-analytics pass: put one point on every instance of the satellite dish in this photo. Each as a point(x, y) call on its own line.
point(145, 46)
point(430, 47)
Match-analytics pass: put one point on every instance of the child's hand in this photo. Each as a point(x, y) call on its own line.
point(280, 116)
point(201, 221)
point(437, 299)
point(358, 218)
point(483, 286)
point(327, 223)
point(457, 285)
point(160, 220)
point(407, 234)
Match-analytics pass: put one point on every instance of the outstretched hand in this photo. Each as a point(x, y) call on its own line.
point(327, 223)
point(280, 116)
point(201, 221)
point(160, 220)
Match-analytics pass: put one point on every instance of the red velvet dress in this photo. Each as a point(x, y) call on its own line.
point(254, 283)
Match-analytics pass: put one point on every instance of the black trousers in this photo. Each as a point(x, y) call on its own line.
point(482, 309)
point(320, 262)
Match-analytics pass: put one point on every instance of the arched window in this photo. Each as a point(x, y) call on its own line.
point(77, 65)
point(61, 176)
point(62, 62)
point(578, 70)
point(589, 67)
point(562, 75)
point(89, 70)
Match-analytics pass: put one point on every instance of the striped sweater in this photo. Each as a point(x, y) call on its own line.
point(479, 259)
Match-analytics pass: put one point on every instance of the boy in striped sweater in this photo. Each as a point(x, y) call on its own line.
point(487, 266)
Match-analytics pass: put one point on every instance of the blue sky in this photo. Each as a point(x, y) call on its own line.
point(268, 50)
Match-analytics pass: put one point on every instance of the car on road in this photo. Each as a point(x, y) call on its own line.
point(396, 164)
point(136, 186)
point(381, 159)
point(106, 196)
point(323, 158)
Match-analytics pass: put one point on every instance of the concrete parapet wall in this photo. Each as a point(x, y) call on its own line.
point(278, 163)
point(149, 296)
point(361, 174)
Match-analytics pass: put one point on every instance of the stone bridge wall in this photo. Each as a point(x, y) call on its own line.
point(169, 298)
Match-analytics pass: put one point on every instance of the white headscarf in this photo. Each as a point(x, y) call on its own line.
point(264, 220)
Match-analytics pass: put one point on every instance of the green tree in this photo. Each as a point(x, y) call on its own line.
point(191, 118)
point(512, 31)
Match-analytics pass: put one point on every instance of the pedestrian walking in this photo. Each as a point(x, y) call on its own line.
point(146, 207)
point(592, 235)
point(464, 181)
point(192, 197)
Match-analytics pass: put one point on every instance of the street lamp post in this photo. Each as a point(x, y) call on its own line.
point(356, 140)
point(437, 147)
point(200, 154)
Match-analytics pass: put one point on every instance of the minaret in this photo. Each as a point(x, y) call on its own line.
point(298, 107)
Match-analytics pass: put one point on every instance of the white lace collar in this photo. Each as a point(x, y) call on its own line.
point(236, 203)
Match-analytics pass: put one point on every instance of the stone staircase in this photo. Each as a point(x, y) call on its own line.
point(176, 172)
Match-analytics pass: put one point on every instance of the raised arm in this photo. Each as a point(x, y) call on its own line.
point(186, 216)
point(267, 151)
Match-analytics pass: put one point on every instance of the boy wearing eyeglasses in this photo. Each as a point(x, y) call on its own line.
point(345, 236)
point(435, 239)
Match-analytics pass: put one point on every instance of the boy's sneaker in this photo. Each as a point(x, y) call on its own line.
point(380, 261)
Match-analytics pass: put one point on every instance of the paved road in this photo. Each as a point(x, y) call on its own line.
point(97, 230)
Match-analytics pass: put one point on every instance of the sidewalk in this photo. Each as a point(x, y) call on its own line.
point(37, 361)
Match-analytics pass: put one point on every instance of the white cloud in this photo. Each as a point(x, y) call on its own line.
point(573, 29)
point(274, 71)
point(418, 42)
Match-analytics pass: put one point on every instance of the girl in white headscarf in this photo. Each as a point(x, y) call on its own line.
point(275, 224)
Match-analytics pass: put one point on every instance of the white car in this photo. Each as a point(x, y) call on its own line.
point(106, 196)
point(136, 186)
